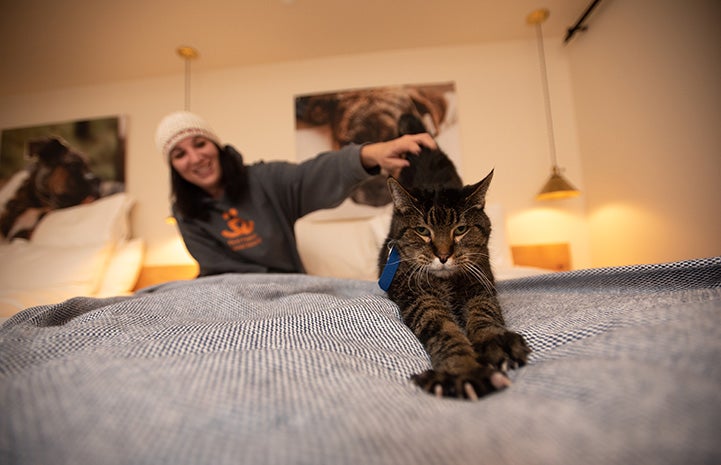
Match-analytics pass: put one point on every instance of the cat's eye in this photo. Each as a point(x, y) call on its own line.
point(460, 230)
point(423, 231)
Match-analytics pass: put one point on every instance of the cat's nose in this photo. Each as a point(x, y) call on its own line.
point(444, 257)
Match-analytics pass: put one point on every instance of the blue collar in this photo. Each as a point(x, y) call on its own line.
point(389, 270)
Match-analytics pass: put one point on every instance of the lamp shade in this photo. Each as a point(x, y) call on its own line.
point(557, 187)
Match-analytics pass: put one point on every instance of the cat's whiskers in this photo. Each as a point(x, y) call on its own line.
point(413, 275)
point(474, 271)
point(426, 271)
point(423, 272)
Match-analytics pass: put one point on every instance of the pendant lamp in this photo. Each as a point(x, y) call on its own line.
point(557, 187)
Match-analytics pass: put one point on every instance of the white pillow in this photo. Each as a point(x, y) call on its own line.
point(8, 190)
point(104, 221)
point(498, 248)
point(30, 266)
point(340, 249)
point(123, 270)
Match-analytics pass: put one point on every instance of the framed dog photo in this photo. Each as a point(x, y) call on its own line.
point(328, 121)
point(58, 165)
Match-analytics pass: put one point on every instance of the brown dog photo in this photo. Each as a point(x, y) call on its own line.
point(44, 168)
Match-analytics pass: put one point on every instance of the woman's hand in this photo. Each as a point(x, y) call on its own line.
point(391, 155)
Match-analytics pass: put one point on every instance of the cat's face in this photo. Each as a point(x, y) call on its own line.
point(442, 232)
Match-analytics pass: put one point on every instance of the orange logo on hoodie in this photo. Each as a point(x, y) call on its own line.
point(240, 233)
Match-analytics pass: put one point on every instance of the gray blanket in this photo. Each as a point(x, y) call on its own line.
point(277, 369)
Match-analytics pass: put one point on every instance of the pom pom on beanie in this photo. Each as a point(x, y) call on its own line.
point(177, 126)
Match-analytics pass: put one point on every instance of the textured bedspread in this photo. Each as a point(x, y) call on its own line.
point(270, 369)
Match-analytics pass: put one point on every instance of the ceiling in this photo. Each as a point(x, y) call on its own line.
point(50, 44)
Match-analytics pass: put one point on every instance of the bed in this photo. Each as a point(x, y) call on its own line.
point(85, 250)
point(302, 369)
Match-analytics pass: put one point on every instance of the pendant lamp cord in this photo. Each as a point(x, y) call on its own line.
point(546, 95)
point(187, 84)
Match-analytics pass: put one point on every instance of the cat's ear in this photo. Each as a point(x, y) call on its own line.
point(402, 199)
point(477, 197)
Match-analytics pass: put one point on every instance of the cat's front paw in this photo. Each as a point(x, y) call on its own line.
point(471, 385)
point(505, 351)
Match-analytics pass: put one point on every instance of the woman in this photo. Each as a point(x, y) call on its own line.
point(239, 218)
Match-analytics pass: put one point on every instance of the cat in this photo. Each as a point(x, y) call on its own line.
point(438, 273)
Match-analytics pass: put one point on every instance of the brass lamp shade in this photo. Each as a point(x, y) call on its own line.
point(557, 187)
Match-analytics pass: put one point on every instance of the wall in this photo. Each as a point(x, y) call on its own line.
point(500, 110)
point(647, 87)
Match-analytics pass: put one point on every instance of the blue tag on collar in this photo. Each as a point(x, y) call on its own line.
point(389, 271)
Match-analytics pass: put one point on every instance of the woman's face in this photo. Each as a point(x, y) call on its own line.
point(197, 161)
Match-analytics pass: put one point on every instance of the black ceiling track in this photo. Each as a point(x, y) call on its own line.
point(579, 26)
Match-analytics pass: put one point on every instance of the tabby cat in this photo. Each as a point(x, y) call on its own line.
point(435, 266)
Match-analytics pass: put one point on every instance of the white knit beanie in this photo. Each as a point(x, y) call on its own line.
point(179, 125)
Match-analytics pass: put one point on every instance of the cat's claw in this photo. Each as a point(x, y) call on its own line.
point(470, 392)
point(472, 385)
point(503, 352)
point(438, 391)
point(500, 381)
